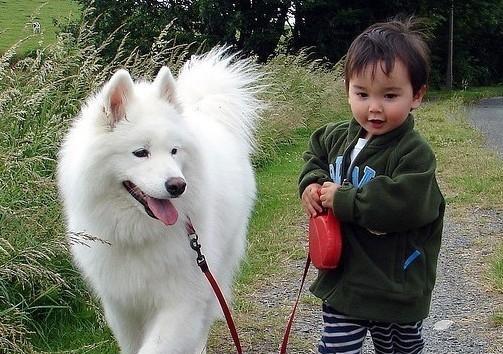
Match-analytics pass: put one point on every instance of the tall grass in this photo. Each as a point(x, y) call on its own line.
point(470, 175)
point(301, 94)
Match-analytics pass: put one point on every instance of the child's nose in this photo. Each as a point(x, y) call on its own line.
point(375, 106)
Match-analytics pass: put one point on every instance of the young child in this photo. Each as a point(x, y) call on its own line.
point(377, 174)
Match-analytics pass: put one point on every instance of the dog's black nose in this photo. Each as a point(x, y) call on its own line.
point(175, 186)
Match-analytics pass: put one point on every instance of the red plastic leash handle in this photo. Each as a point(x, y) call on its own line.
point(284, 344)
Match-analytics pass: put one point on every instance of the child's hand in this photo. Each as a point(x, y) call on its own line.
point(311, 199)
point(327, 193)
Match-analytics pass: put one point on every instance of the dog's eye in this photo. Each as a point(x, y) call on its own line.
point(174, 151)
point(141, 153)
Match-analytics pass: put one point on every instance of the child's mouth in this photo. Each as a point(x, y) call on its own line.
point(376, 123)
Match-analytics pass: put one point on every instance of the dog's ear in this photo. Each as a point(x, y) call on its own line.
point(166, 85)
point(117, 92)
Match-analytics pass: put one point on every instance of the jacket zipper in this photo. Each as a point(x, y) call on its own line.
point(344, 158)
point(345, 155)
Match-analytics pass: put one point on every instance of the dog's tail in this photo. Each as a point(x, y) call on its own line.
point(224, 88)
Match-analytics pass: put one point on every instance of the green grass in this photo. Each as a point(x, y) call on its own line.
point(16, 18)
point(470, 174)
point(497, 269)
point(89, 334)
point(498, 319)
point(277, 213)
point(470, 95)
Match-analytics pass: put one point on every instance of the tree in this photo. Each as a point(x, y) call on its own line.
point(253, 27)
point(142, 21)
point(329, 26)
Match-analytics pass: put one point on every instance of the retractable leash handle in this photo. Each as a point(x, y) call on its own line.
point(201, 262)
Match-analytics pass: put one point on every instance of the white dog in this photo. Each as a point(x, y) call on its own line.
point(139, 160)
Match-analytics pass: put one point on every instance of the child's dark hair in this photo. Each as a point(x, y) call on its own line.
point(384, 43)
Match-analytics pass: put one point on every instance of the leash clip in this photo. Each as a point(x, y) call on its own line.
point(196, 246)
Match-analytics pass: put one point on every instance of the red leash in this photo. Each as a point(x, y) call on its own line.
point(201, 262)
point(284, 344)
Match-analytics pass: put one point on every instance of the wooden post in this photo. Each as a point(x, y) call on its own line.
point(451, 47)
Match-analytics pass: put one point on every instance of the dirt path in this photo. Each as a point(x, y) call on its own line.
point(461, 294)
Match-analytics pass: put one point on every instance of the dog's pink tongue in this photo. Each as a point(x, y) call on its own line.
point(163, 209)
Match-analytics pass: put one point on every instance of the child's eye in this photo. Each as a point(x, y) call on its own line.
point(362, 94)
point(390, 96)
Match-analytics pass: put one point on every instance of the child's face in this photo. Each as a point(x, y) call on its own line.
point(382, 103)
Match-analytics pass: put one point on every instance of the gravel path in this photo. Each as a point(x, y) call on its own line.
point(462, 306)
point(460, 295)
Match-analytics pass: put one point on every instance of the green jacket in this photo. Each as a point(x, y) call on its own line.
point(390, 189)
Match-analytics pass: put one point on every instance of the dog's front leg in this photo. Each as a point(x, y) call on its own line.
point(181, 330)
point(125, 326)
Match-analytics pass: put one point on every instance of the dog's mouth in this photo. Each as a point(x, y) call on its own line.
point(161, 209)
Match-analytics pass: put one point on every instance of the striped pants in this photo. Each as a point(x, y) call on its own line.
point(343, 334)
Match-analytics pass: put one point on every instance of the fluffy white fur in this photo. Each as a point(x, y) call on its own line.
point(155, 298)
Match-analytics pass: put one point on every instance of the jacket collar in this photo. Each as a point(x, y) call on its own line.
point(355, 131)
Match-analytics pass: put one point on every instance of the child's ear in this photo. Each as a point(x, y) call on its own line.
point(418, 97)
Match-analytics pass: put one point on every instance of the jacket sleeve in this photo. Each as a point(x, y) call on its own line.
point(315, 169)
point(407, 199)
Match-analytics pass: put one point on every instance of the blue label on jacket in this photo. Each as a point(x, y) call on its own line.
point(368, 174)
point(336, 173)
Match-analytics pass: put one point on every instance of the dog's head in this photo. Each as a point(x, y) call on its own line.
point(148, 142)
